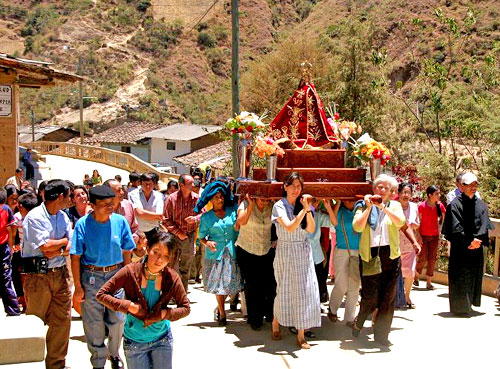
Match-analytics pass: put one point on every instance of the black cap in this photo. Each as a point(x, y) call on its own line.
point(100, 193)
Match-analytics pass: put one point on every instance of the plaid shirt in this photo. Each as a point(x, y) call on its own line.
point(177, 209)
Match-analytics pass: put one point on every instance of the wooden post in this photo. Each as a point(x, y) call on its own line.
point(9, 119)
point(497, 256)
point(235, 80)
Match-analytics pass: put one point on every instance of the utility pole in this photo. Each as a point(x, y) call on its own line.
point(80, 96)
point(235, 78)
point(32, 115)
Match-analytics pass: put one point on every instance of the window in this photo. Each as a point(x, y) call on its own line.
point(170, 145)
point(126, 149)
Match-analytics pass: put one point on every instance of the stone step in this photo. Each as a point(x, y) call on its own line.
point(316, 174)
point(324, 158)
point(22, 339)
point(320, 190)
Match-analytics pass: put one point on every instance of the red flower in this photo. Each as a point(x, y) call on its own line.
point(249, 128)
point(241, 129)
point(336, 116)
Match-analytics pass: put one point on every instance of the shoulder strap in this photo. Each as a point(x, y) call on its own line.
point(345, 234)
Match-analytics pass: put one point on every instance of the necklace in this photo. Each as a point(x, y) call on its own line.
point(149, 275)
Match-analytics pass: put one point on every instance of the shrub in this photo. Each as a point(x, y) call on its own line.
point(143, 5)
point(205, 39)
point(217, 59)
point(221, 33)
point(201, 26)
point(40, 20)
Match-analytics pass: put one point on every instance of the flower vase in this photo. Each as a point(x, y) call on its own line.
point(244, 151)
point(375, 168)
point(271, 165)
point(344, 145)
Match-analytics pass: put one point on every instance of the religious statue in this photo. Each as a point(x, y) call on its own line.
point(303, 119)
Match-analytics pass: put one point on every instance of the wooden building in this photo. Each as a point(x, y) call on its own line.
point(18, 73)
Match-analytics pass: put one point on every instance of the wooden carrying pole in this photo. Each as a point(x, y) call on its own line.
point(235, 80)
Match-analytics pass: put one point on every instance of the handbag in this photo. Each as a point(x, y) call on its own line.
point(374, 265)
point(353, 260)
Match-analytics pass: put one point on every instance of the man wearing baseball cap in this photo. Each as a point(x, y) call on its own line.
point(466, 226)
point(102, 244)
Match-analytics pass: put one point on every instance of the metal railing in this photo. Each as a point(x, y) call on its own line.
point(118, 159)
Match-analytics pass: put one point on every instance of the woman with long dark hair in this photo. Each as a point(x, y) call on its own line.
point(431, 213)
point(297, 295)
point(149, 286)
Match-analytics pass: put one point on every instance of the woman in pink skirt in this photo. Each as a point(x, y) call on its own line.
point(409, 248)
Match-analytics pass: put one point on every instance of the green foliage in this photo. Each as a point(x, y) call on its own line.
point(201, 26)
point(206, 40)
point(436, 170)
point(8, 11)
point(303, 8)
point(221, 33)
point(143, 5)
point(81, 6)
point(218, 59)
point(124, 16)
point(40, 20)
point(157, 37)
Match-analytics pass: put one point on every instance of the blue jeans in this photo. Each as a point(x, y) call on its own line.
point(151, 355)
point(96, 318)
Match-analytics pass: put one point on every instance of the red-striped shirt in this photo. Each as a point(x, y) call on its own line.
point(177, 209)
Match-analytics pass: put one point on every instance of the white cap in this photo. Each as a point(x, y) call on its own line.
point(469, 178)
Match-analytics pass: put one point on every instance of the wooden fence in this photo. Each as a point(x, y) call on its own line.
point(118, 159)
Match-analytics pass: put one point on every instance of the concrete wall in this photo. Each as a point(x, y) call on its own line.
point(9, 152)
point(142, 152)
point(160, 154)
point(205, 141)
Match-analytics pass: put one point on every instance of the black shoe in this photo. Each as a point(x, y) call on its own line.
point(293, 330)
point(310, 334)
point(256, 326)
point(223, 321)
point(116, 363)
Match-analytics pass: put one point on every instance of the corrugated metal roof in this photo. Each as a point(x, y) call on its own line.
point(25, 134)
point(182, 132)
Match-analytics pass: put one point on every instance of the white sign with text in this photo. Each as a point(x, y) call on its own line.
point(5, 100)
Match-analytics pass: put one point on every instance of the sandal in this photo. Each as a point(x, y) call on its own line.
point(293, 330)
point(333, 317)
point(430, 287)
point(310, 334)
point(411, 306)
point(276, 336)
point(355, 331)
point(304, 345)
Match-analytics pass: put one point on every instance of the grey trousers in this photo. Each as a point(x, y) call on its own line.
point(183, 257)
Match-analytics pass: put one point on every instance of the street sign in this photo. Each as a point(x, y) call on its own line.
point(5, 100)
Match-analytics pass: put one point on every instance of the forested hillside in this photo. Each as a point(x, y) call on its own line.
point(420, 75)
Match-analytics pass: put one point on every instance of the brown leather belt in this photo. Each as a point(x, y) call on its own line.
point(102, 269)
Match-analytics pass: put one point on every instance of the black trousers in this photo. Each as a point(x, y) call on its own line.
point(259, 284)
point(379, 292)
point(322, 275)
point(30, 170)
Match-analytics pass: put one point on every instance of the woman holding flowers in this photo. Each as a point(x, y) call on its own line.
point(297, 296)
